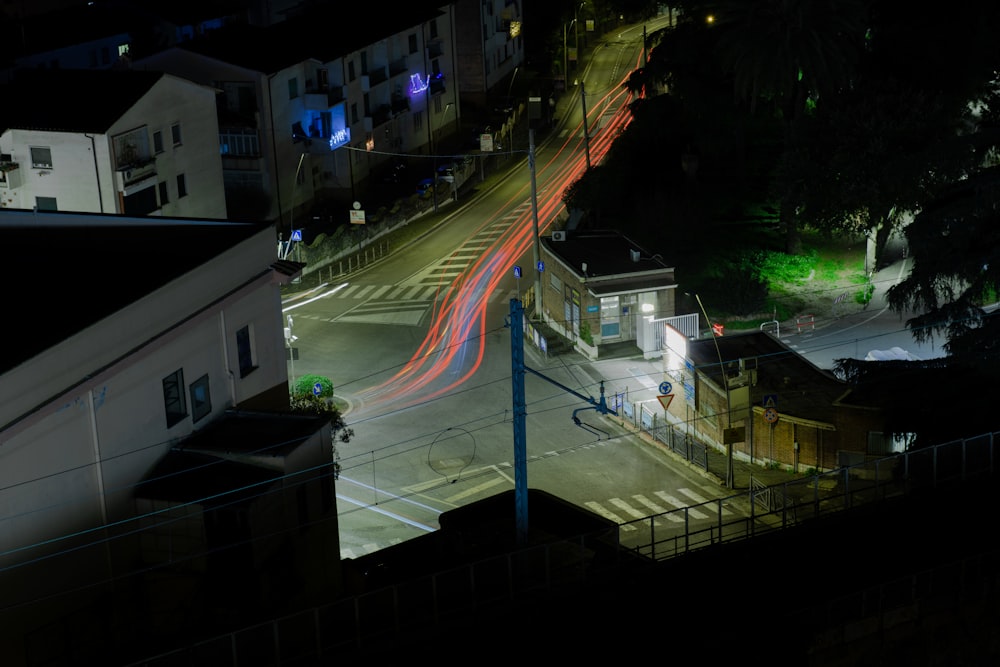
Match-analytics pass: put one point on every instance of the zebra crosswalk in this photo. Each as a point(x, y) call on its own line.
point(404, 304)
point(667, 508)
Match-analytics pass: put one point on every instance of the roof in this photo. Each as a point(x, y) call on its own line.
point(802, 388)
point(610, 255)
point(70, 271)
point(227, 457)
point(269, 49)
point(56, 99)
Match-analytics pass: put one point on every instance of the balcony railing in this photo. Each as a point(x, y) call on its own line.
point(135, 173)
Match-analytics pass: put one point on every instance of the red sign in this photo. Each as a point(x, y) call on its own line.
point(717, 329)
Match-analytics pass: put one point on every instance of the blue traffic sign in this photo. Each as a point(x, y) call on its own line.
point(296, 234)
point(517, 271)
point(541, 266)
point(666, 387)
point(317, 389)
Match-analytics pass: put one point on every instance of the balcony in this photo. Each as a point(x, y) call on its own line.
point(381, 115)
point(435, 48)
point(437, 85)
point(377, 75)
point(131, 175)
point(10, 175)
point(398, 66)
point(322, 99)
point(400, 103)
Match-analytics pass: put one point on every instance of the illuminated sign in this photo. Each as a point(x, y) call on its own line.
point(340, 137)
point(417, 85)
point(515, 29)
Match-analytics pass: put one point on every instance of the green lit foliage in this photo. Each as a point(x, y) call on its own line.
point(305, 386)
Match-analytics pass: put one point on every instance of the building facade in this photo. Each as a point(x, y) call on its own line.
point(310, 118)
point(133, 356)
point(148, 149)
point(598, 287)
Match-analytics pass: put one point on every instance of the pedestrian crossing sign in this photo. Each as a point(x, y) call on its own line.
point(770, 400)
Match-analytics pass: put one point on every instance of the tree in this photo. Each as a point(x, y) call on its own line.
point(789, 54)
point(880, 152)
point(955, 244)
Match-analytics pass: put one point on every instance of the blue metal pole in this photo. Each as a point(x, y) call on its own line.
point(520, 439)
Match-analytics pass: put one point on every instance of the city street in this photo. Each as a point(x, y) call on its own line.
point(419, 349)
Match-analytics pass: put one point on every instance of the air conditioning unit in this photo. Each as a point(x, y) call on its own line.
point(558, 236)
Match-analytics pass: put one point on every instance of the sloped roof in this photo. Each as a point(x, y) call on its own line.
point(802, 388)
point(224, 462)
point(325, 33)
point(66, 100)
point(67, 271)
point(609, 255)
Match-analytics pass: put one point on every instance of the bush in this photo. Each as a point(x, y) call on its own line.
point(304, 386)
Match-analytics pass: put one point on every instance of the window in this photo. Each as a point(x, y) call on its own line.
point(201, 398)
point(158, 141)
point(434, 28)
point(173, 397)
point(245, 350)
point(413, 43)
point(354, 112)
point(181, 186)
point(163, 193)
point(41, 157)
point(175, 133)
point(364, 63)
point(293, 88)
point(350, 70)
point(46, 204)
point(610, 324)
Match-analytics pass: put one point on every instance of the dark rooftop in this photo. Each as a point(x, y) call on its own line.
point(229, 456)
point(605, 253)
point(72, 270)
point(802, 387)
point(325, 33)
point(64, 100)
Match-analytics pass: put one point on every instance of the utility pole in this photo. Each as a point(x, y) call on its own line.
point(520, 437)
point(586, 132)
point(534, 210)
point(516, 323)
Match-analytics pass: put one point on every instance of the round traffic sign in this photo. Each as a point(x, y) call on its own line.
point(770, 415)
point(666, 387)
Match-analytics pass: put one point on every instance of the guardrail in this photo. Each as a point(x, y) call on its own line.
point(764, 509)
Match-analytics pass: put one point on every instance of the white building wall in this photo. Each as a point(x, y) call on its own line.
point(85, 423)
point(73, 178)
point(176, 101)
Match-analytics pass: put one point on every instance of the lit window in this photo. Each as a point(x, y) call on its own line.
point(201, 398)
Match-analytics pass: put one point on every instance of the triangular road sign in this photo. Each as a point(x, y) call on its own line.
point(665, 400)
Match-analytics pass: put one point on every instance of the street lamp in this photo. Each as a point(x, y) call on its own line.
point(430, 138)
point(566, 54)
point(291, 212)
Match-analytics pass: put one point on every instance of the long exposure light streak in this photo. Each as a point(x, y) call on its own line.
point(453, 350)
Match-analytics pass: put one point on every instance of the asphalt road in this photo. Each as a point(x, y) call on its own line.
point(419, 349)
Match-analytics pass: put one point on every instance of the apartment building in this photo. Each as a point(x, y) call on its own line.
point(308, 111)
point(145, 427)
point(110, 141)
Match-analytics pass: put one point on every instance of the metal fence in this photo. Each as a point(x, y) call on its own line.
point(762, 509)
point(467, 593)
